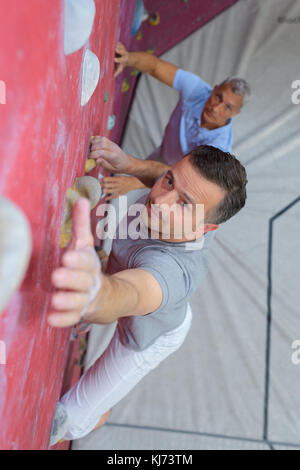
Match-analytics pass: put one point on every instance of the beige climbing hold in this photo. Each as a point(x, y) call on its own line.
point(15, 249)
point(90, 165)
point(89, 187)
point(85, 186)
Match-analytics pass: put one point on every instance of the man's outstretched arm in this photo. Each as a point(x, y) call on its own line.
point(145, 62)
point(84, 291)
point(111, 157)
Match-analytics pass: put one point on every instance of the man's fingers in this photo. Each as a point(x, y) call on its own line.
point(69, 301)
point(121, 60)
point(81, 225)
point(102, 143)
point(106, 165)
point(99, 153)
point(109, 179)
point(99, 143)
point(99, 138)
point(63, 320)
point(111, 153)
point(80, 259)
point(110, 185)
point(119, 69)
point(110, 189)
point(120, 48)
point(65, 278)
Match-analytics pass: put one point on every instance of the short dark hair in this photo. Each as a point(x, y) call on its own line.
point(226, 171)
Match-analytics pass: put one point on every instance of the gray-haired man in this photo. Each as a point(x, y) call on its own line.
point(202, 115)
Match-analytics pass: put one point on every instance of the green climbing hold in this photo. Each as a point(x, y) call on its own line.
point(135, 72)
point(106, 97)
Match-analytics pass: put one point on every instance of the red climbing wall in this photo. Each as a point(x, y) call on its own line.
point(44, 138)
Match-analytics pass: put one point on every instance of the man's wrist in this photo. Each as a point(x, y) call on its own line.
point(131, 165)
point(142, 61)
point(132, 59)
point(95, 312)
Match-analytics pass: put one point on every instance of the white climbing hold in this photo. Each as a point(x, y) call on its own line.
point(15, 249)
point(79, 19)
point(111, 122)
point(90, 76)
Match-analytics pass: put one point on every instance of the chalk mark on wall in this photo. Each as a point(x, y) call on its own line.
point(2, 92)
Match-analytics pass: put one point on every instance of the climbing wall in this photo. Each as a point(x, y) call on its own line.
point(45, 126)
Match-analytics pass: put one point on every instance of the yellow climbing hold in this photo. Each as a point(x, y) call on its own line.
point(151, 50)
point(89, 165)
point(155, 19)
point(139, 35)
point(82, 344)
point(125, 85)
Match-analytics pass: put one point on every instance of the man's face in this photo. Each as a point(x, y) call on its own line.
point(220, 106)
point(180, 201)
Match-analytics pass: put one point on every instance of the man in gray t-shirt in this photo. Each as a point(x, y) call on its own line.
point(149, 278)
point(178, 268)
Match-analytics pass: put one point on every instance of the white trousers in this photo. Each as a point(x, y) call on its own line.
point(113, 375)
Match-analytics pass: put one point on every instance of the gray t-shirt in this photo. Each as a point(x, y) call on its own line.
point(179, 272)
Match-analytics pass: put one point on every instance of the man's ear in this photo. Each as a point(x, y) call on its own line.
point(210, 227)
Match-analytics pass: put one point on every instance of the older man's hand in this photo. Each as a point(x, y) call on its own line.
point(122, 58)
point(109, 155)
point(78, 280)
